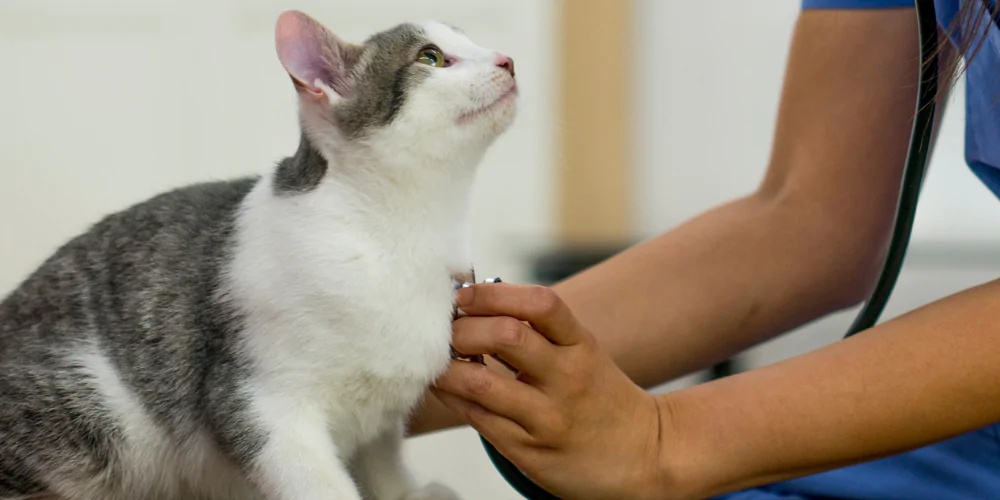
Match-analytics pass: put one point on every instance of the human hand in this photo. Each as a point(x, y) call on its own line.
point(571, 420)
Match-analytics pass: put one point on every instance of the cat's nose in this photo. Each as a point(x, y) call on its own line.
point(505, 63)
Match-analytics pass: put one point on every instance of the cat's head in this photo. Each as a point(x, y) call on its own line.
point(422, 89)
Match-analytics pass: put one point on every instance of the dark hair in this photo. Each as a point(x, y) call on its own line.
point(965, 26)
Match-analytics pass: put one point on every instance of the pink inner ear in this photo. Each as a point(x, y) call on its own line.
point(308, 52)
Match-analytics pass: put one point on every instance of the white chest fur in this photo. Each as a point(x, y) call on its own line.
point(348, 316)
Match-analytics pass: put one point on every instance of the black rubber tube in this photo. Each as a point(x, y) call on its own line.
point(921, 145)
point(515, 478)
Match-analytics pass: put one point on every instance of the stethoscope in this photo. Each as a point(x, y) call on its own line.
point(921, 143)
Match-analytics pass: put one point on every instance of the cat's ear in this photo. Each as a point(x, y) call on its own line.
point(318, 61)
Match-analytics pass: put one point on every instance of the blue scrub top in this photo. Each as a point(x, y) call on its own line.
point(966, 467)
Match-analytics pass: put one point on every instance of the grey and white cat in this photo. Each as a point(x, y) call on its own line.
point(265, 338)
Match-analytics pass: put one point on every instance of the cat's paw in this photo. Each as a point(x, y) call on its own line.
point(433, 491)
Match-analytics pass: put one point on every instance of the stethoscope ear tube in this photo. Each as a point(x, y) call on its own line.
point(921, 144)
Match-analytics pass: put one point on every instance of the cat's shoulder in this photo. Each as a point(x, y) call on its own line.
point(202, 197)
point(199, 213)
point(191, 207)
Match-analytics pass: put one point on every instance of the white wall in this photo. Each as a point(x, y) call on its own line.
point(106, 102)
point(710, 74)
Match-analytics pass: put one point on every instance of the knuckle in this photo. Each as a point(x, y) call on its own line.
point(479, 383)
point(566, 367)
point(575, 380)
point(587, 350)
point(510, 333)
point(544, 299)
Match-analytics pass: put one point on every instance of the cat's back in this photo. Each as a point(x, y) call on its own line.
point(168, 242)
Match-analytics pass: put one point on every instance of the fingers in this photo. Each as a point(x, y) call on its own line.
point(516, 344)
point(493, 427)
point(498, 394)
point(537, 305)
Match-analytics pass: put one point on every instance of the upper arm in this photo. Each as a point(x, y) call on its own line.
point(845, 118)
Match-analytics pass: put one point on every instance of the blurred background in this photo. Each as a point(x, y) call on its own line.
point(634, 116)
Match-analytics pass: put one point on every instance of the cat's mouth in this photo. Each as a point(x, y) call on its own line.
point(504, 99)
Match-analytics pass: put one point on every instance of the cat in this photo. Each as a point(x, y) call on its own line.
point(265, 337)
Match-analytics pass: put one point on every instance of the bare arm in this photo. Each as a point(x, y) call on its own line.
point(807, 242)
point(913, 381)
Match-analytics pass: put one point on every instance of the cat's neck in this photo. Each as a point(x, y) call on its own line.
point(395, 195)
point(402, 177)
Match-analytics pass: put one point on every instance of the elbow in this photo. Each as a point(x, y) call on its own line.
point(855, 288)
point(839, 248)
point(852, 266)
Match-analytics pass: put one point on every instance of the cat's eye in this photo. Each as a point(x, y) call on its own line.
point(431, 57)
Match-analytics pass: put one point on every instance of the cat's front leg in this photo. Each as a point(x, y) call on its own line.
point(384, 476)
point(298, 460)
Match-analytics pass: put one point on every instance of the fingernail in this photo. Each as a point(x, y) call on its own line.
point(464, 297)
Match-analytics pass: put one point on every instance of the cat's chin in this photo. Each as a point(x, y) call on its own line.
point(502, 109)
point(493, 123)
point(502, 117)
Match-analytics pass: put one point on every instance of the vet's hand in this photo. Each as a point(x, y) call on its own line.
point(571, 420)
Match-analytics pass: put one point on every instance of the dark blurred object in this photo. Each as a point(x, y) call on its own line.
point(562, 262)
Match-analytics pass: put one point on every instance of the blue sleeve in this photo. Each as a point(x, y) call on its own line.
point(855, 4)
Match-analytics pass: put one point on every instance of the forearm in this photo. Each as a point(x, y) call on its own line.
point(921, 378)
point(733, 277)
